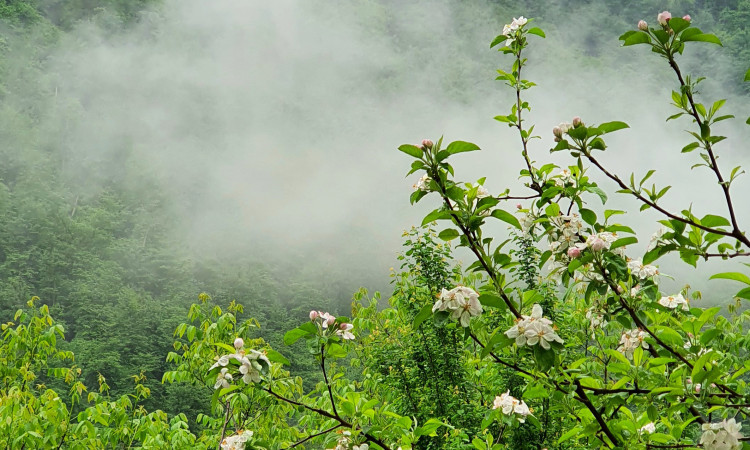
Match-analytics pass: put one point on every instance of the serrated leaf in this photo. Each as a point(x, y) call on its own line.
point(736, 276)
point(507, 217)
point(609, 127)
point(411, 150)
point(448, 234)
point(461, 147)
point(422, 315)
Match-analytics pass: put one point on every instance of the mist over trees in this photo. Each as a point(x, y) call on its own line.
point(115, 219)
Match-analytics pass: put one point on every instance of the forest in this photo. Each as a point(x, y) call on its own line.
point(186, 263)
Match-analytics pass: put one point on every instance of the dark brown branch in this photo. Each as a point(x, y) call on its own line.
point(583, 398)
point(224, 427)
point(313, 436)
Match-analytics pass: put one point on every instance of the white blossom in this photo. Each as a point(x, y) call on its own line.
point(422, 184)
point(534, 329)
point(510, 405)
point(482, 192)
point(630, 340)
point(640, 270)
point(223, 378)
point(462, 302)
point(344, 331)
point(656, 239)
point(236, 442)
point(673, 301)
point(648, 428)
point(596, 319)
point(723, 435)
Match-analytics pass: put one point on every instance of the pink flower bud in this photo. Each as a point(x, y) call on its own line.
point(687, 17)
point(597, 244)
point(313, 315)
point(518, 206)
point(239, 343)
point(426, 143)
point(331, 320)
point(642, 25)
point(576, 121)
point(343, 325)
point(663, 18)
point(557, 131)
point(574, 252)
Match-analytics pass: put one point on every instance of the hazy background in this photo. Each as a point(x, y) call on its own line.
point(273, 126)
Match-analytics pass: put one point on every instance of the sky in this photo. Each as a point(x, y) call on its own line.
point(275, 124)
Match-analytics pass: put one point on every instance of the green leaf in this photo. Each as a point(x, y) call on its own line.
point(637, 37)
point(690, 147)
point(537, 31)
point(623, 241)
point(422, 315)
point(336, 351)
point(602, 195)
point(588, 216)
point(702, 37)
point(294, 335)
point(411, 150)
point(506, 217)
point(712, 221)
point(747, 75)
point(275, 356)
point(460, 147)
point(492, 300)
point(736, 276)
point(438, 214)
point(545, 359)
point(678, 24)
point(448, 234)
point(609, 127)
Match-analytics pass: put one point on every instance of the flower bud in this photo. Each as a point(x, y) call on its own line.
point(239, 343)
point(518, 206)
point(426, 143)
point(557, 131)
point(597, 244)
point(574, 252)
point(313, 315)
point(642, 25)
point(577, 122)
point(331, 320)
point(687, 17)
point(663, 18)
point(343, 325)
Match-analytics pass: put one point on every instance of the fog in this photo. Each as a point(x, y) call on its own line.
point(274, 125)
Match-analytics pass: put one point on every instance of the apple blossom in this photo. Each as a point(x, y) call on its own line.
point(426, 143)
point(222, 379)
point(648, 428)
point(723, 435)
point(663, 18)
point(313, 315)
point(642, 25)
point(510, 405)
point(577, 122)
point(640, 270)
point(673, 301)
point(557, 132)
point(236, 442)
point(422, 184)
point(534, 329)
point(687, 17)
point(630, 340)
point(574, 252)
point(344, 331)
point(239, 343)
point(462, 302)
point(482, 192)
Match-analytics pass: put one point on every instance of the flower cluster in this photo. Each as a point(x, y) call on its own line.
point(724, 435)
point(462, 303)
point(251, 364)
point(510, 30)
point(564, 178)
point(326, 322)
point(236, 442)
point(673, 301)
point(345, 443)
point(565, 233)
point(648, 428)
point(640, 270)
point(422, 184)
point(631, 340)
point(533, 330)
point(601, 241)
point(511, 405)
point(596, 319)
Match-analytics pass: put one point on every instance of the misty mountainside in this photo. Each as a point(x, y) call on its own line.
point(151, 151)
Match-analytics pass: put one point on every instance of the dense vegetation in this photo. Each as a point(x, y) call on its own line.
point(110, 282)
